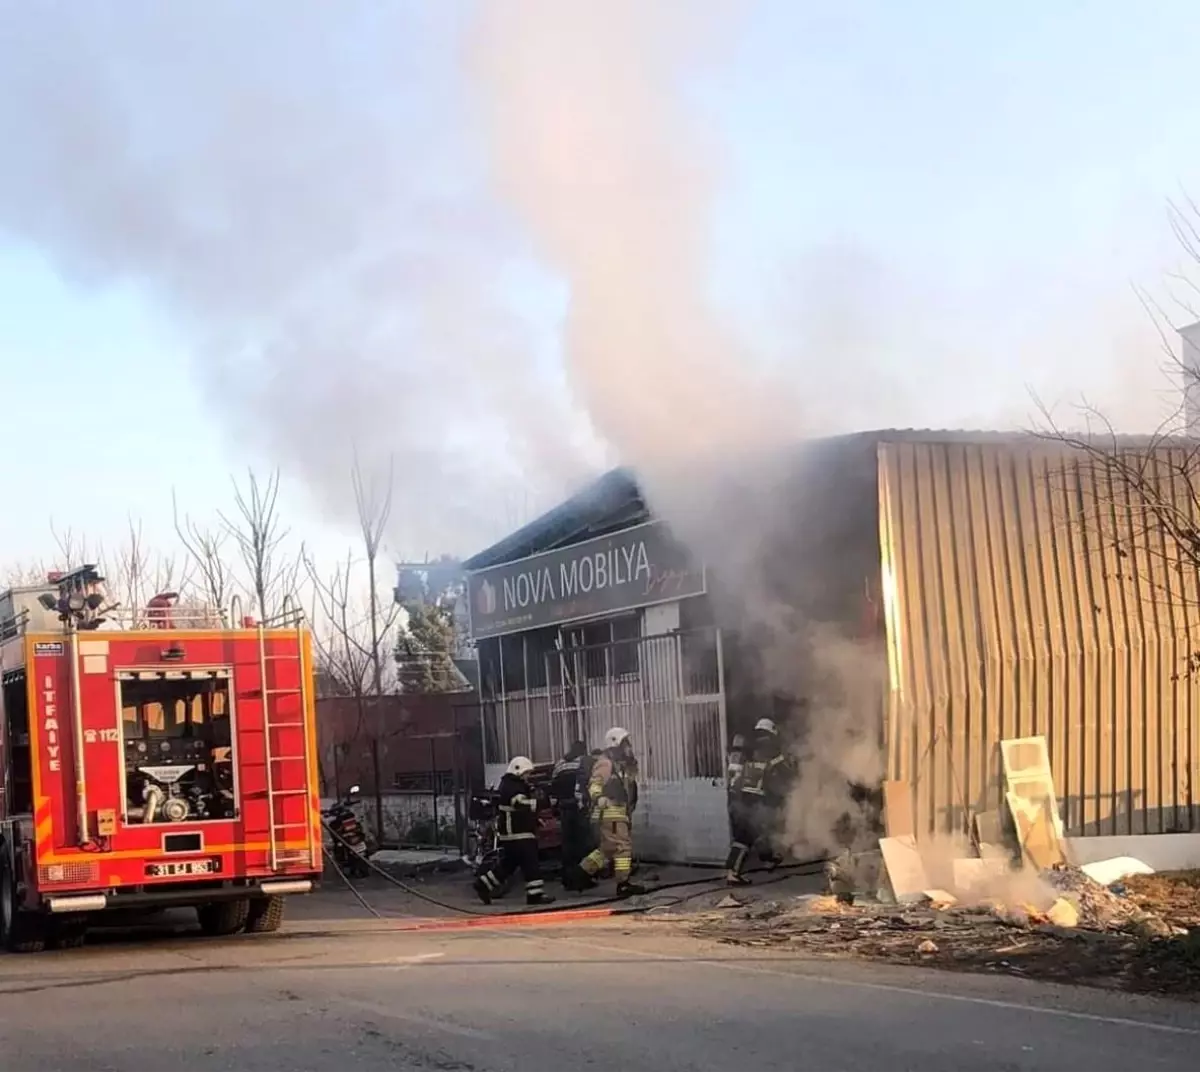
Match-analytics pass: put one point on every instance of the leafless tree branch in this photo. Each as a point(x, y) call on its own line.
point(259, 538)
point(205, 549)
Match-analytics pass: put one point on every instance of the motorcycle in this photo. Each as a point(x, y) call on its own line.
point(352, 844)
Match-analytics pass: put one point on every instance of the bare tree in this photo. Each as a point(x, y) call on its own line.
point(259, 539)
point(135, 573)
point(127, 571)
point(73, 548)
point(354, 630)
point(1131, 502)
point(374, 509)
point(22, 575)
point(206, 550)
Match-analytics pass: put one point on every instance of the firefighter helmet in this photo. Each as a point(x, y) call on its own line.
point(615, 737)
point(738, 741)
point(520, 766)
point(766, 725)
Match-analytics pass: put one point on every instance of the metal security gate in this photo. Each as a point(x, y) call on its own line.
point(667, 692)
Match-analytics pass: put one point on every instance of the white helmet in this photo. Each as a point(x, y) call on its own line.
point(520, 766)
point(766, 725)
point(615, 737)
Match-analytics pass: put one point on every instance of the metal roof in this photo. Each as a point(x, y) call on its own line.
point(615, 500)
point(612, 501)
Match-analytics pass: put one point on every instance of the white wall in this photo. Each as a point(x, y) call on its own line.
point(1163, 852)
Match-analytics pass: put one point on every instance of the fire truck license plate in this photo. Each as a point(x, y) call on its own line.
point(183, 867)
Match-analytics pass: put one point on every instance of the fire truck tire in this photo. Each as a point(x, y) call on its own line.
point(266, 915)
point(20, 931)
point(223, 918)
point(70, 935)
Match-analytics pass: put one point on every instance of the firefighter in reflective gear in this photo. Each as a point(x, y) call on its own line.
point(755, 809)
point(613, 790)
point(517, 833)
point(572, 814)
point(733, 769)
point(585, 779)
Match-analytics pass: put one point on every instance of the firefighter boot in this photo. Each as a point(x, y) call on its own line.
point(734, 864)
point(581, 881)
point(630, 889)
point(538, 899)
point(482, 888)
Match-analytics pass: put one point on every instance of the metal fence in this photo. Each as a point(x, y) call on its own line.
point(667, 692)
point(1031, 593)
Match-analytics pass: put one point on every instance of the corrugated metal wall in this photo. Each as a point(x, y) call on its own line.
point(1028, 595)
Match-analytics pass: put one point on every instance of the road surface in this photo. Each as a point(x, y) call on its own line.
point(345, 995)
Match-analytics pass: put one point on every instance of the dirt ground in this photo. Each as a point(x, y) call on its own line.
point(1173, 895)
point(1142, 935)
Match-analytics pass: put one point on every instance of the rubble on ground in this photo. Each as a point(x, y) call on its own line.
point(1081, 932)
point(1175, 895)
point(1099, 908)
point(1000, 895)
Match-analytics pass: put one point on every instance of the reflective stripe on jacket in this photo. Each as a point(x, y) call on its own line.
point(616, 783)
point(761, 776)
point(565, 784)
point(517, 810)
point(734, 769)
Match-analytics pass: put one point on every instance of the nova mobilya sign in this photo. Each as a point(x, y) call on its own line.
point(638, 567)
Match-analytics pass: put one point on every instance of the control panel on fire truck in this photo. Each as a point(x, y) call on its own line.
point(178, 750)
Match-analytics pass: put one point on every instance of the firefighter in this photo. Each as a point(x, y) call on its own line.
point(571, 812)
point(759, 802)
point(613, 792)
point(591, 815)
point(739, 828)
point(517, 833)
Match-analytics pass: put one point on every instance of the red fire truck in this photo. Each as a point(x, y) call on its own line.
point(151, 758)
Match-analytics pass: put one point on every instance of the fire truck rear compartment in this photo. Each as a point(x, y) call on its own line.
point(179, 749)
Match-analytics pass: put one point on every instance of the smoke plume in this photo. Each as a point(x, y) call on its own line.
point(291, 186)
point(353, 214)
point(594, 147)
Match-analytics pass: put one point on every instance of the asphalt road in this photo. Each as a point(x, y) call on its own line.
point(345, 994)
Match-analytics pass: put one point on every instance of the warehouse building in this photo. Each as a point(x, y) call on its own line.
point(1003, 586)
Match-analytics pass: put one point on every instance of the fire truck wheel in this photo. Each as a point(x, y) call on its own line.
point(20, 931)
point(70, 934)
point(266, 914)
point(223, 918)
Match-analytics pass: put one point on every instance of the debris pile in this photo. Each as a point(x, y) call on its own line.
point(1099, 907)
point(1058, 942)
point(1007, 901)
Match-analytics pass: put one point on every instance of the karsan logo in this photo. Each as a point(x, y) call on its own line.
point(485, 599)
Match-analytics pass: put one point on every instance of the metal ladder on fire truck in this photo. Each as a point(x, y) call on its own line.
point(288, 617)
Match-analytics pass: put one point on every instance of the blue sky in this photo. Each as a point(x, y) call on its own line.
point(104, 420)
point(958, 196)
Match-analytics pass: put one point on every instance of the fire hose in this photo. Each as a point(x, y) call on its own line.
point(800, 868)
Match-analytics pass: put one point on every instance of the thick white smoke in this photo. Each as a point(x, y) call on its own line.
point(593, 144)
point(354, 231)
point(289, 182)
